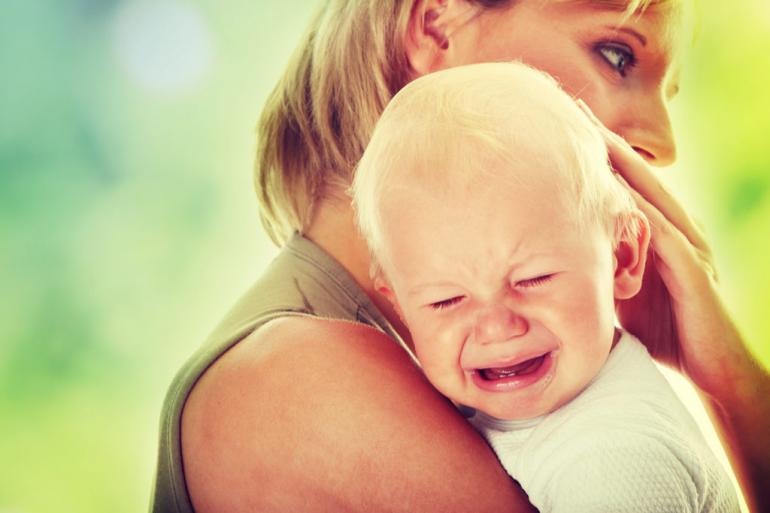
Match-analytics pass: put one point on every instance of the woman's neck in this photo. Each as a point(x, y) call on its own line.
point(334, 230)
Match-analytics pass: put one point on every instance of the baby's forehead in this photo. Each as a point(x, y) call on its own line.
point(463, 135)
point(469, 165)
point(469, 116)
point(477, 234)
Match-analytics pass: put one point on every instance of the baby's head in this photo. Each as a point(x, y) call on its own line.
point(500, 234)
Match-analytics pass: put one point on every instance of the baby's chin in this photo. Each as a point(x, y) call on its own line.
point(524, 408)
point(515, 412)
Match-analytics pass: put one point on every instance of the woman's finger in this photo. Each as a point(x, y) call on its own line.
point(629, 164)
point(640, 177)
point(679, 262)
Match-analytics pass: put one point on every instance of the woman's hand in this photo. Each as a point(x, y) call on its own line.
point(680, 317)
point(678, 314)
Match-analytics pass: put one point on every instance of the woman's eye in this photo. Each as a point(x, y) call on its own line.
point(617, 55)
point(534, 282)
point(446, 303)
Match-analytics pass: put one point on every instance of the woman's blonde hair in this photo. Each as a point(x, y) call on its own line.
point(317, 121)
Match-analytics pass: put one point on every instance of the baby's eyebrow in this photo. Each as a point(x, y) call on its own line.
point(421, 287)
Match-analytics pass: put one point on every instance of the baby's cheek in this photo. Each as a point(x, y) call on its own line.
point(440, 363)
point(438, 346)
point(428, 350)
point(564, 309)
point(436, 358)
point(445, 379)
point(584, 304)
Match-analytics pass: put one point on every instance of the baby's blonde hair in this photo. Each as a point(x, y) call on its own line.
point(448, 131)
point(318, 119)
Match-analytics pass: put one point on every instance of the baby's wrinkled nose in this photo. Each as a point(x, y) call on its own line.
point(498, 323)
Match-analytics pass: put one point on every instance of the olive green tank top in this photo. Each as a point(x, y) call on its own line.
point(301, 280)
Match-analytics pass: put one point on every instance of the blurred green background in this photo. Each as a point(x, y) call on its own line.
point(128, 223)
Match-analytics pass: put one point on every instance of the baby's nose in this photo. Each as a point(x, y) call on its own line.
point(498, 323)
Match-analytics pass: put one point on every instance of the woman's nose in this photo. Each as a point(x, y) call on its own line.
point(649, 132)
point(498, 323)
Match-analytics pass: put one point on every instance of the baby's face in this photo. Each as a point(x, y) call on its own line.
point(510, 306)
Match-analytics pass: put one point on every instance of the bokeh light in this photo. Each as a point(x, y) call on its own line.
point(163, 46)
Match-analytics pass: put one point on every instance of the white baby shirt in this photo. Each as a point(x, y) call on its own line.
point(625, 444)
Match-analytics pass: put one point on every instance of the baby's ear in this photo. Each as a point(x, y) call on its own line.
point(382, 286)
point(631, 255)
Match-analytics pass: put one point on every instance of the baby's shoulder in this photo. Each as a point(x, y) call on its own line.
point(612, 467)
point(616, 469)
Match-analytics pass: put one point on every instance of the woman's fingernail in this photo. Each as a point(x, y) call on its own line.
point(622, 180)
point(585, 108)
point(622, 140)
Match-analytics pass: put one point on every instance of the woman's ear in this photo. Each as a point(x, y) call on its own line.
point(428, 35)
point(631, 255)
point(382, 286)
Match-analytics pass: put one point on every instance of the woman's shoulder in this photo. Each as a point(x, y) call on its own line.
point(290, 347)
point(306, 411)
point(293, 362)
point(303, 341)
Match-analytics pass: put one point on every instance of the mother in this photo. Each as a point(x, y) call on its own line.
point(290, 406)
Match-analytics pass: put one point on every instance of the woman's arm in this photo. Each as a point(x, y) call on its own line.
point(317, 415)
point(681, 318)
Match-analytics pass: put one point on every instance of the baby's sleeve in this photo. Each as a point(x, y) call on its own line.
point(623, 472)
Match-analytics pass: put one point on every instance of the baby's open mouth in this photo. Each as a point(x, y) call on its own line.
point(520, 369)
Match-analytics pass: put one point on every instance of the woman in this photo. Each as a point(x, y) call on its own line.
point(292, 407)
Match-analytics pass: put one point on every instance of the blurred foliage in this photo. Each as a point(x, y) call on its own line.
point(128, 223)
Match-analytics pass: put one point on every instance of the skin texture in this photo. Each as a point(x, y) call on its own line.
point(500, 274)
point(238, 459)
point(332, 441)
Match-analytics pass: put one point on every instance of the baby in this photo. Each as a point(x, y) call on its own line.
point(503, 239)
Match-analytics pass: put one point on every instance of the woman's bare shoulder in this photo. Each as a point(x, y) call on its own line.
point(319, 415)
